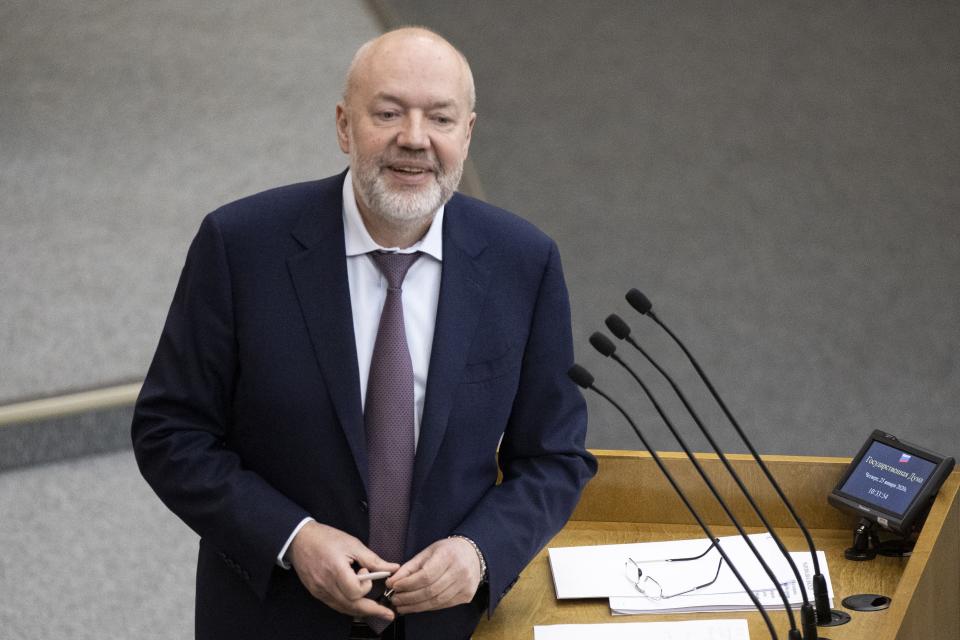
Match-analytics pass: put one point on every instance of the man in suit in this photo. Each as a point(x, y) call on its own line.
point(314, 420)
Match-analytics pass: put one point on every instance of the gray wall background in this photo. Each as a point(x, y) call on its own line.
point(121, 125)
point(780, 178)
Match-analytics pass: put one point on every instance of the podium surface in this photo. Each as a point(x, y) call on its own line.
point(630, 501)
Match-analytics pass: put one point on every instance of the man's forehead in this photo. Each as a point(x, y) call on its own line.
point(413, 63)
point(420, 85)
point(430, 102)
point(420, 54)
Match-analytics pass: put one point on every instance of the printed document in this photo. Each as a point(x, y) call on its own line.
point(651, 577)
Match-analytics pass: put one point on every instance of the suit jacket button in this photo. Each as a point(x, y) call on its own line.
point(363, 506)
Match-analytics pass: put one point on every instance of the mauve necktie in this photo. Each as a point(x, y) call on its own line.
point(388, 417)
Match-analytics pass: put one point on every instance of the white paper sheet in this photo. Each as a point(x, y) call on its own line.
point(599, 571)
point(681, 630)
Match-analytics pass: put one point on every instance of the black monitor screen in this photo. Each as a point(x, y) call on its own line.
point(888, 478)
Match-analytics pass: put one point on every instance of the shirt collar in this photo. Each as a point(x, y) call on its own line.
point(358, 241)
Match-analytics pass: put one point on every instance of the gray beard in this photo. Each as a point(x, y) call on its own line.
point(397, 206)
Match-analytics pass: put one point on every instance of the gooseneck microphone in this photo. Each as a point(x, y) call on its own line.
point(585, 380)
point(606, 348)
point(808, 621)
point(825, 615)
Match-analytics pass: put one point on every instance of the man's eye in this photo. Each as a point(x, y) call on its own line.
point(387, 115)
point(442, 119)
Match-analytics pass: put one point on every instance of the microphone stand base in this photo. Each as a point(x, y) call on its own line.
point(837, 618)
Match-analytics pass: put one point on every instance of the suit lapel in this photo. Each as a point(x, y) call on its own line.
point(463, 286)
point(319, 276)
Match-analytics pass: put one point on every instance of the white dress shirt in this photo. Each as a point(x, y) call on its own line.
point(368, 292)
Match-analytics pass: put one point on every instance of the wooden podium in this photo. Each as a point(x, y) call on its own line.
point(630, 501)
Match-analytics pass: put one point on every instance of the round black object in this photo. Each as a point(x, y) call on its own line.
point(866, 602)
point(837, 618)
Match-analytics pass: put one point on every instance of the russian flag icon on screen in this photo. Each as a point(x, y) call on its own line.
point(904, 458)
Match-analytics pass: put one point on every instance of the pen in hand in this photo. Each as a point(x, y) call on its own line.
point(375, 575)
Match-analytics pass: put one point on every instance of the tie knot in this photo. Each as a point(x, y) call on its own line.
point(394, 266)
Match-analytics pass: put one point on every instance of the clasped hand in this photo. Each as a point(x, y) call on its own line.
point(324, 557)
point(445, 574)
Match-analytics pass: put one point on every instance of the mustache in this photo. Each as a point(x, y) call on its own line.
point(421, 159)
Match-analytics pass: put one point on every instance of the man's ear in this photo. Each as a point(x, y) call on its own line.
point(472, 121)
point(343, 128)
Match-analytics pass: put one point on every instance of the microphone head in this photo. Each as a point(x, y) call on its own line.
point(603, 344)
point(639, 301)
point(617, 326)
point(581, 376)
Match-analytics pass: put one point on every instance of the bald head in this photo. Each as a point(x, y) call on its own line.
point(410, 45)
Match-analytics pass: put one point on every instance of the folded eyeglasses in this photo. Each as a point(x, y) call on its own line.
point(649, 587)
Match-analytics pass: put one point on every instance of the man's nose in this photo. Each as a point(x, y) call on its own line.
point(413, 134)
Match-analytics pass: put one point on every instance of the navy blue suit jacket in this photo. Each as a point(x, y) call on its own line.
point(250, 417)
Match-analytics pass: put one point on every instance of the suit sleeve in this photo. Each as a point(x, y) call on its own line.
point(542, 455)
point(182, 420)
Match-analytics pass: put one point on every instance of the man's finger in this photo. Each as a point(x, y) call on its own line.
point(349, 586)
point(438, 595)
point(434, 577)
point(408, 568)
point(367, 558)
